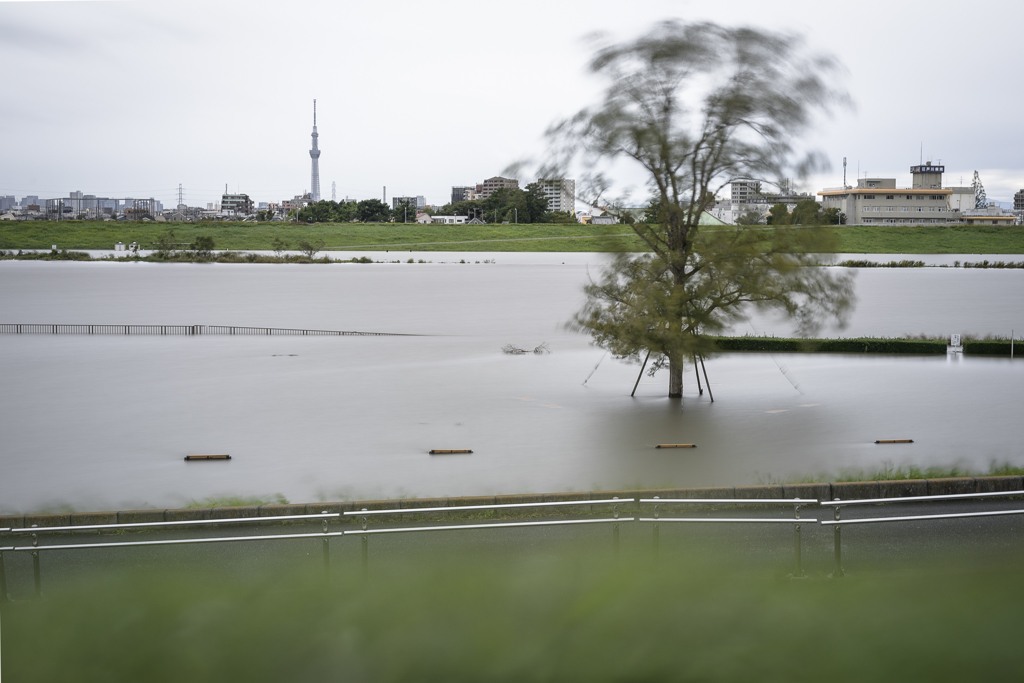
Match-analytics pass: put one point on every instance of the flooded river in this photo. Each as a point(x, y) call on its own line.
point(104, 422)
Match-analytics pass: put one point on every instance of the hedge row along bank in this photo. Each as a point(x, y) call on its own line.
point(859, 345)
point(992, 347)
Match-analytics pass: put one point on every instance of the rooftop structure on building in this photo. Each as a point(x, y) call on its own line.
point(989, 215)
point(560, 194)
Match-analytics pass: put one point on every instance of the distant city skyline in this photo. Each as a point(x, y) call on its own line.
point(216, 107)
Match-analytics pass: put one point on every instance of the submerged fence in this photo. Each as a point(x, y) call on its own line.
point(39, 328)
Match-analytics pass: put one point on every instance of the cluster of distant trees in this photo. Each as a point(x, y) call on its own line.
point(327, 211)
point(513, 205)
point(505, 204)
point(806, 212)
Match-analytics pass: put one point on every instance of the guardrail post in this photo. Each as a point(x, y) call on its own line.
point(3, 581)
point(36, 578)
point(656, 531)
point(838, 546)
point(615, 529)
point(796, 542)
point(327, 549)
point(366, 550)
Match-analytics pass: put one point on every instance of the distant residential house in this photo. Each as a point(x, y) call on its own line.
point(7, 216)
point(449, 220)
point(424, 218)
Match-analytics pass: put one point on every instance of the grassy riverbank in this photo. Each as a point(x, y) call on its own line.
point(888, 239)
point(571, 615)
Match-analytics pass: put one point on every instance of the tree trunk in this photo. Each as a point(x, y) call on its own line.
point(675, 378)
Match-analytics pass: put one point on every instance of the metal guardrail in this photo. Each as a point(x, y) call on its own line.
point(35, 328)
point(920, 499)
point(324, 534)
point(838, 523)
point(153, 525)
point(796, 503)
point(187, 330)
point(364, 532)
point(499, 506)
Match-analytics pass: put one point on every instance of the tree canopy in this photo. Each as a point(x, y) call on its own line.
point(507, 204)
point(325, 211)
point(694, 107)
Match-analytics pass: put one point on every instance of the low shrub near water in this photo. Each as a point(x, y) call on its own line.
point(875, 264)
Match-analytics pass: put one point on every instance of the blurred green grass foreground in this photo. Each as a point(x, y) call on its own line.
point(543, 619)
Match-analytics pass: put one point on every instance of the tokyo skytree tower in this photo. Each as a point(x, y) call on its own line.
point(314, 154)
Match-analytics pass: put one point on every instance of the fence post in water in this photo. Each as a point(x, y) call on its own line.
point(696, 371)
point(838, 545)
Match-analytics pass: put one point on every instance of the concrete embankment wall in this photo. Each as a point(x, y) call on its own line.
point(823, 491)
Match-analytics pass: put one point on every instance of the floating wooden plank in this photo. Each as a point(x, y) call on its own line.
point(449, 451)
point(894, 441)
point(224, 456)
point(676, 445)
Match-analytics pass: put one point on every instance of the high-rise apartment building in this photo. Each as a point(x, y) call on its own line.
point(492, 185)
point(560, 194)
point(417, 202)
point(1018, 201)
point(744, 191)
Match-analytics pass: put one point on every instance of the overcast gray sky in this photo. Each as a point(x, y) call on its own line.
point(132, 98)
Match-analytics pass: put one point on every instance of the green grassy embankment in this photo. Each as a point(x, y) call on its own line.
point(574, 615)
point(881, 239)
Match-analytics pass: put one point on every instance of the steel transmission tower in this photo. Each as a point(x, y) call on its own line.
point(980, 199)
point(314, 154)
